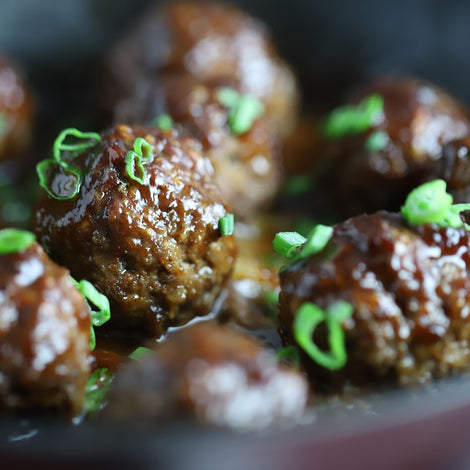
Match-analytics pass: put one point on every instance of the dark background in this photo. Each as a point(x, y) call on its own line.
point(331, 43)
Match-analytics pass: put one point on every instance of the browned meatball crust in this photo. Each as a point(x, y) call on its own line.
point(214, 374)
point(410, 290)
point(246, 166)
point(418, 119)
point(16, 112)
point(44, 334)
point(212, 43)
point(154, 249)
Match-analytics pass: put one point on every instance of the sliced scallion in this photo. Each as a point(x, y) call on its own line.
point(243, 109)
point(164, 122)
point(354, 119)
point(287, 243)
point(102, 311)
point(139, 353)
point(377, 141)
point(13, 240)
point(227, 225)
point(308, 317)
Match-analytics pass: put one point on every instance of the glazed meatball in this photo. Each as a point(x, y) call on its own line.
point(409, 288)
point(153, 247)
point(44, 334)
point(213, 43)
point(376, 168)
point(16, 112)
point(214, 374)
point(247, 166)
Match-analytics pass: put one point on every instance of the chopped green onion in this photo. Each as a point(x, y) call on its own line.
point(227, 225)
point(13, 240)
point(164, 122)
point(61, 184)
point(143, 148)
point(101, 314)
point(308, 317)
point(350, 119)
point(139, 353)
point(228, 97)
point(242, 117)
point(377, 141)
point(134, 167)
point(316, 241)
point(142, 152)
point(90, 140)
point(287, 243)
point(243, 109)
point(429, 203)
point(271, 300)
point(297, 185)
point(3, 124)
point(96, 389)
point(290, 354)
point(58, 178)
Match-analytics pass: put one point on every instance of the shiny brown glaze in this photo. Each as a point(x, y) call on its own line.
point(212, 43)
point(247, 166)
point(214, 374)
point(154, 249)
point(16, 112)
point(419, 119)
point(410, 289)
point(44, 334)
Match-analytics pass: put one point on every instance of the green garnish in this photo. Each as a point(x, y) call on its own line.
point(101, 314)
point(139, 353)
point(350, 119)
point(227, 225)
point(429, 203)
point(84, 141)
point(287, 243)
point(289, 354)
point(308, 317)
point(316, 241)
point(57, 177)
point(271, 300)
point(377, 141)
point(135, 159)
point(298, 184)
point(243, 109)
point(3, 124)
point(96, 389)
point(13, 240)
point(164, 122)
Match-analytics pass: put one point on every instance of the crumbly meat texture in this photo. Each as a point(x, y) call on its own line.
point(214, 374)
point(419, 118)
point(247, 167)
point(16, 112)
point(44, 334)
point(410, 289)
point(155, 249)
point(214, 44)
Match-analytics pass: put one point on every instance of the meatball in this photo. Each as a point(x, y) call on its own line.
point(16, 112)
point(375, 168)
point(409, 287)
point(44, 333)
point(213, 43)
point(247, 166)
point(153, 247)
point(214, 374)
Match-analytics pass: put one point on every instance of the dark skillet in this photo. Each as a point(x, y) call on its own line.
point(332, 45)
